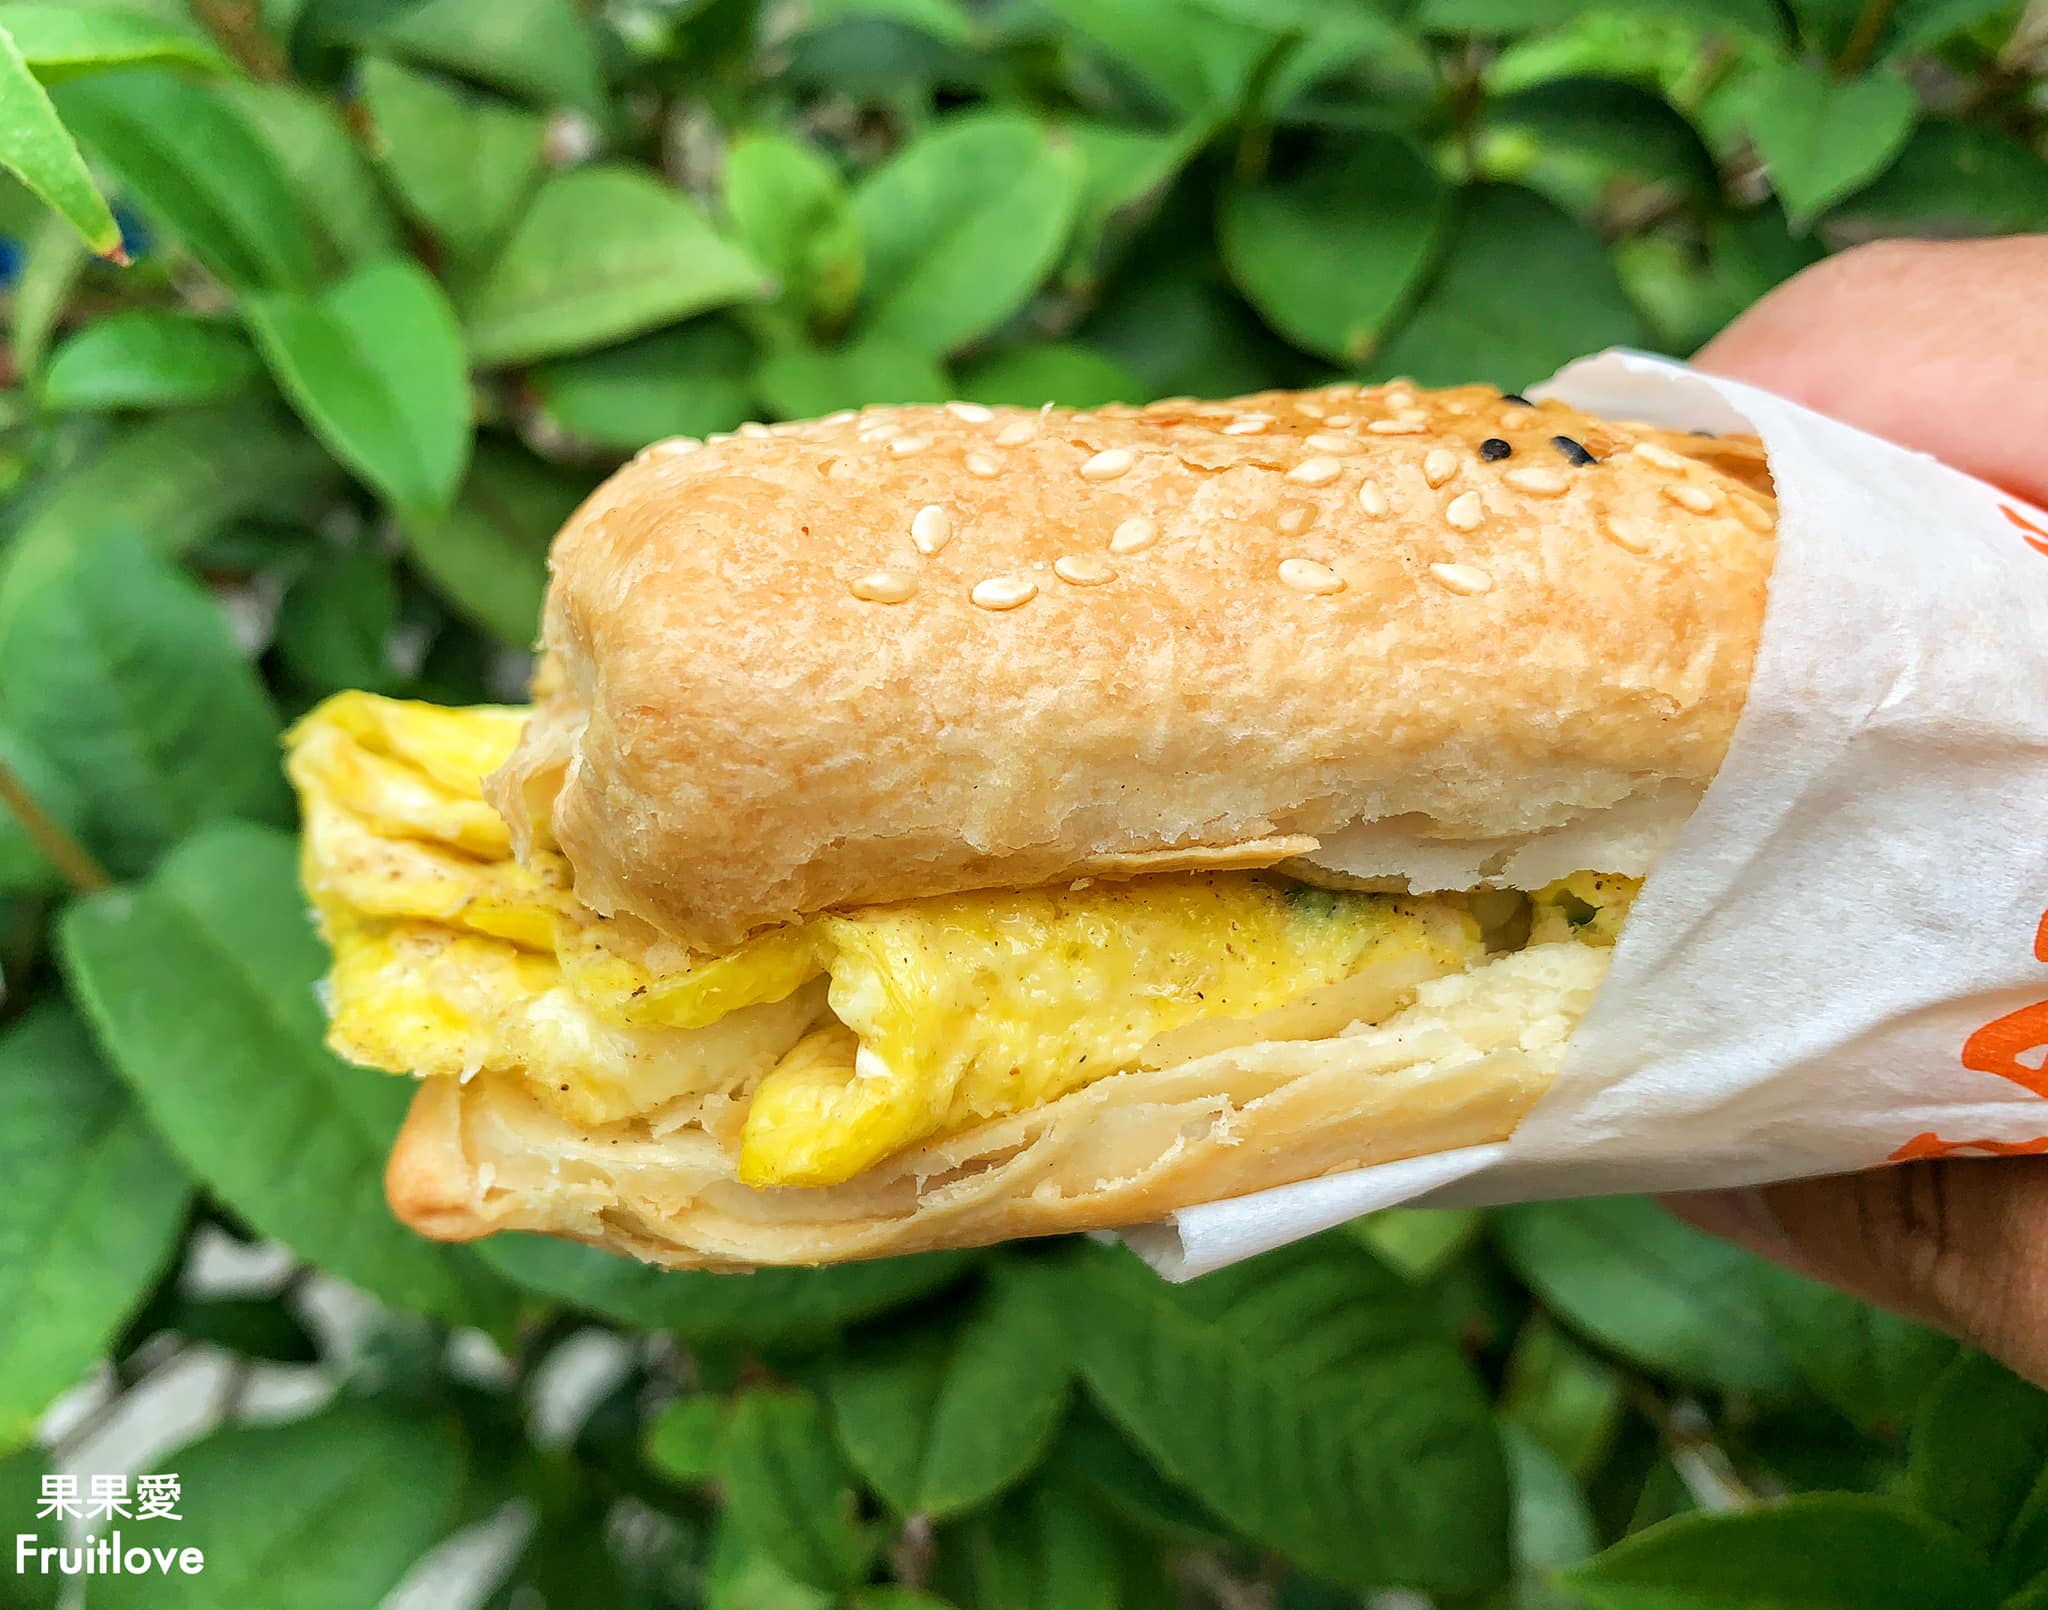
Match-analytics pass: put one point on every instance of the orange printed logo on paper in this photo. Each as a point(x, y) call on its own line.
point(1998, 1049)
point(2032, 535)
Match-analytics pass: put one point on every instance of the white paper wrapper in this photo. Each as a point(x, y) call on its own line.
point(1843, 959)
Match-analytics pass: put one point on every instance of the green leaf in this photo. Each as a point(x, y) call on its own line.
point(788, 1492)
point(740, 1577)
point(542, 50)
point(1573, 139)
point(766, 1308)
point(1871, 1365)
point(336, 619)
point(322, 1514)
point(686, 1440)
point(941, 1418)
point(125, 674)
point(1180, 331)
point(145, 358)
point(1045, 1548)
point(177, 478)
point(254, 1327)
point(1821, 137)
point(1121, 169)
point(1626, 1273)
point(1758, 20)
point(1828, 1552)
point(23, 867)
point(1329, 256)
point(1979, 1457)
point(35, 148)
point(1094, 1456)
point(462, 163)
point(1952, 178)
point(200, 173)
point(1918, 25)
point(1309, 1396)
point(690, 381)
point(336, 187)
point(487, 554)
point(59, 40)
point(1418, 1241)
point(201, 986)
point(1197, 63)
point(602, 252)
point(807, 383)
point(1552, 1526)
point(896, 1599)
point(1561, 1396)
point(1052, 371)
point(791, 207)
point(962, 225)
point(944, 20)
point(93, 1207)
point(1523, 289)
point(50, 267)
point(374, 366)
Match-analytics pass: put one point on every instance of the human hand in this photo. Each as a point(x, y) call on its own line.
point(1941, 347)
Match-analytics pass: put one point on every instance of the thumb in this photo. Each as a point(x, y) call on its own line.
point(1955, 1244)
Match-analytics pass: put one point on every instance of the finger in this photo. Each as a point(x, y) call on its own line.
point(1941, 346)
point(1954, 1244)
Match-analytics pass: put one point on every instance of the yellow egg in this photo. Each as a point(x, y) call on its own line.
point(972, 1006)
point(1588, 907)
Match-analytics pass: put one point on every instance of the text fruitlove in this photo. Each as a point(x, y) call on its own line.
point(102, 1556)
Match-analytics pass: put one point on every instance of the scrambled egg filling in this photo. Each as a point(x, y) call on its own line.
point(841, 1039)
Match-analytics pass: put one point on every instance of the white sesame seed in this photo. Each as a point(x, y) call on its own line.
point(1340, 421)
point(1465, 511)
point(1138, 532)
point(904, 446)
point(1397, 427)
point(841, 469)
point(931, 528)
point(716, 437)
point(1295, 517)
point(1439, 464)
point(878, 433)
point(674, 447)
point(1662, 457)
point(1310, 576)
point(755, 429)
point(1315, 472)
point(1309, 410)
point(883, 586)
point(1699, 499)
point(1329, 442)
point(1003, 592)
point(845, 416)
point(1108, 464)
point(1627, 533)
point(1466, 579)
point(1515, 418)
point(1537, 481)
point(1751, 513)
point(1247, 424)
point(982, 465)
point(1017, 433)
point(973, 413)
point(1372, 500)
point(1399, 396)
point(1082, 570)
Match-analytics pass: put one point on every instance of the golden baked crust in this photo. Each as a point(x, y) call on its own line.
point(1458, 1068)
point(1519, 642)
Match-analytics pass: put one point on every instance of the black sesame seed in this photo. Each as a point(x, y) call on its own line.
point(1494, 448)
point(1572, 451)
point(1516, 397)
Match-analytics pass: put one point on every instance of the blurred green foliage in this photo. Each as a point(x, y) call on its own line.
point(410, 276)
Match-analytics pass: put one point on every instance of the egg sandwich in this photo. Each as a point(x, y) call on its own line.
point(938, 825)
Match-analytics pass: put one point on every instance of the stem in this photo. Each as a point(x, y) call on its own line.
point(237, 27)
point(71, 859)
point(1864, 36)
